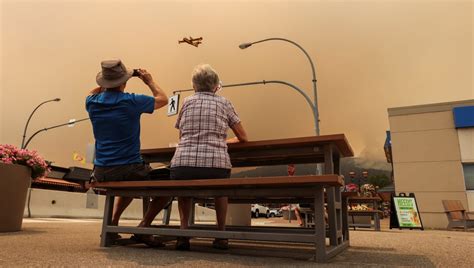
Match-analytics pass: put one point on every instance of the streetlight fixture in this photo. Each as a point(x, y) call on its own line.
point(352, 174)
point(314, 106)
point(29, 118)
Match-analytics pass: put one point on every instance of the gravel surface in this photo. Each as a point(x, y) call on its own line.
point(53, 242)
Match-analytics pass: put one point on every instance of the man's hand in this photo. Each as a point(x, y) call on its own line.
point(160, 96)
point(96, 90)
point(145, 76)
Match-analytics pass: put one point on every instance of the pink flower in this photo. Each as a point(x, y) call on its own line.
point(10, 154)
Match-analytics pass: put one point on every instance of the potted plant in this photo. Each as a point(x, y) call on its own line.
point(17, 168)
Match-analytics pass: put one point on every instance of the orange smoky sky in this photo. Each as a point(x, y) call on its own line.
point(369, 56)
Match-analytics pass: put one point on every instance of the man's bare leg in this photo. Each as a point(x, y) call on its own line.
point(120, 206)
point(156, 205)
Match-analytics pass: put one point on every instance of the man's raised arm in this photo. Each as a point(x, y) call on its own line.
point(160, 96)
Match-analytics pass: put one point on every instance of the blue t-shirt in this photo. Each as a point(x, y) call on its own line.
point(115, 118)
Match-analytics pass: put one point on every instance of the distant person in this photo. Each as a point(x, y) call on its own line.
point(115, 116)
point(202, 149)
point(291, 169)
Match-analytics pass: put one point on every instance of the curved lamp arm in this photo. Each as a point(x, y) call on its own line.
point(70, 123)
point(23, 146)
point(313, 69)
point(313, 107)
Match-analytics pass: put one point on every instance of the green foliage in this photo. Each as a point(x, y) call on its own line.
point(380, 180)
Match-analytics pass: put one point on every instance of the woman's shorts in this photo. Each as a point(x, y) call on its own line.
point(130, 172)
point(198, 173)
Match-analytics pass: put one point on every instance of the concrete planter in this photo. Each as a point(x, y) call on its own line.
point(14, 183)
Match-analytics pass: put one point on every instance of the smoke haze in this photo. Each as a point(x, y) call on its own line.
point(369, 56)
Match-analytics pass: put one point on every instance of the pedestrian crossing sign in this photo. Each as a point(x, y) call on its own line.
point(173, 105)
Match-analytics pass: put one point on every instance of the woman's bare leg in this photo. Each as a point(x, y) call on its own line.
point(221, 211)
point(184, 207)
point(298, 216)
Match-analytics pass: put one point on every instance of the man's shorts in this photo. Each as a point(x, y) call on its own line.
point(130, 172)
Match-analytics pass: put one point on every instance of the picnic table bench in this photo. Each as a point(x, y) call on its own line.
point(316, 189)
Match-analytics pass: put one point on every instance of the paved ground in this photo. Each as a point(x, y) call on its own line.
point(71, 242)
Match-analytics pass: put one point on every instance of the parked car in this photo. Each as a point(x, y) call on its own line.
point(275, 213)
point(259, 210)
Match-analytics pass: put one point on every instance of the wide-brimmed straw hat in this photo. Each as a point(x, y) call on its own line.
point(113, 74)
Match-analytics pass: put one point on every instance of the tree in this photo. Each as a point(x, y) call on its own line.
point(380, 180)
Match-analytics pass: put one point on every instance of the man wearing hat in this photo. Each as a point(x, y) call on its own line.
point(115, 116)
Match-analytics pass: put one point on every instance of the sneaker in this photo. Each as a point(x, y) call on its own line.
point(220, 243)
point(182, 243)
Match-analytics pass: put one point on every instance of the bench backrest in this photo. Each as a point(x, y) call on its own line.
point(454, 208)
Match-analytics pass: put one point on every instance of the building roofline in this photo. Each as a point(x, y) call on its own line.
point(429, 108)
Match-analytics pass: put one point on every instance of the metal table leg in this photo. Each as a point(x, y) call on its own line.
point(319, 226)
point(105, 236)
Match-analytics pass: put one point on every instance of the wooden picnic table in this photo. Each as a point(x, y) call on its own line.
point(327, 149)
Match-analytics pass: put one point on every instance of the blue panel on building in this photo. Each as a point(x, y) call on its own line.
point(388, 139)
point(464, 116)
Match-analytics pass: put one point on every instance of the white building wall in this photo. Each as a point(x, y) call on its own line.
point(466, 145)
point(73, 205)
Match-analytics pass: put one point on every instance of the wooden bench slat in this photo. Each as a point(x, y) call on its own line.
point(329, 180)
point(455, 208)
point(453, 205)
point(457, 215)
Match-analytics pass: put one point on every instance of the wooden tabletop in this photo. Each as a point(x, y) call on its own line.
point(326, 180)
point(271, 152)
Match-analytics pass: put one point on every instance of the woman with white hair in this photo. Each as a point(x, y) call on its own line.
point(202, 149)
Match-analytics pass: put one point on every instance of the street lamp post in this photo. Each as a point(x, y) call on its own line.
point(353, 176)
point(71, 123)
point(314, 106)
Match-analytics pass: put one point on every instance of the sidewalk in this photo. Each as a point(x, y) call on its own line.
point(74, 242)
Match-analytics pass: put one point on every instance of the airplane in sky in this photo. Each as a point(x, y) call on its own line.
point(192, 41)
